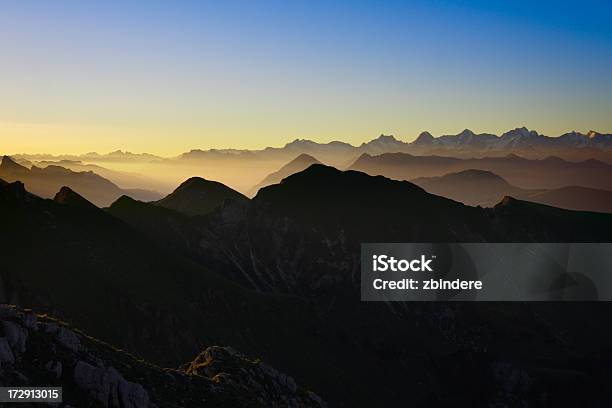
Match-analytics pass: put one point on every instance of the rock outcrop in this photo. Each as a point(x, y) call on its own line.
point(38, 350)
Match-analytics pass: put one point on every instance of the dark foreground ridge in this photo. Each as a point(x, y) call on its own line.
point(278, 277)
point(38, 349)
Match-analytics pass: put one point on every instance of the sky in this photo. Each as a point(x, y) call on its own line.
point(168, 76)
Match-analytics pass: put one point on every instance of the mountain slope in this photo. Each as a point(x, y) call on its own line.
point(471, 187)
point(40, 350)
point(125, 180)
point(520, 138)
point(90, 265)
point(296, 245)
point(303, 236)
point(369, 208)
point(198, 196)
point(575, 198)
point(296, 165)
point(549, 173)
point(481, 187)
point(375, 208)
point(68, 197)
point(46, 181)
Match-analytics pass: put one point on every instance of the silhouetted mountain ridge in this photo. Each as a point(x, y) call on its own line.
point(67, 196)
point(481, 187)
point(548, 173)
point(46, 182)
point(296, 165)
point(198, 196)
point(287, 277)
point(375, 208)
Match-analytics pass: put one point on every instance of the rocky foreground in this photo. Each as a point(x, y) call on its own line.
point(38, 350)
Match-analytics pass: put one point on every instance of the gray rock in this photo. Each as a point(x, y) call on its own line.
point(108, 386)
point(54, 367)
point(16, 336)
point(6, 353)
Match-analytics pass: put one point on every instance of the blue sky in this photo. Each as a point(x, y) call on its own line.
point(166, 76)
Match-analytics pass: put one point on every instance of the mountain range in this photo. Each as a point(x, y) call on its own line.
point(123, 179)
point(46, 181)
point(517, 138)
point(522, 141)
point(143, 175)
point(484, 188)
point(278, 277)
point(548, 173)
point(301, 237)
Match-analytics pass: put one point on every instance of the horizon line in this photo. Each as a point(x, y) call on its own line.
point(221, 149)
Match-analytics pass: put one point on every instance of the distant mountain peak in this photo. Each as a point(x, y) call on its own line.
point(8, 164)
point(522, 132)
point(300, 143)
point(383, 143)
point(67, 196)
point(591, 134)
point(387, 138)
point(466, 132)
point(303, 158)
point(424, 138)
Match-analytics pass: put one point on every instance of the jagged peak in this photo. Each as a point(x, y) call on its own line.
point(520, 131)
point(8, 163)
point(423, 138)
point(466, 132)
point(67, 196)
point(300, 142)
